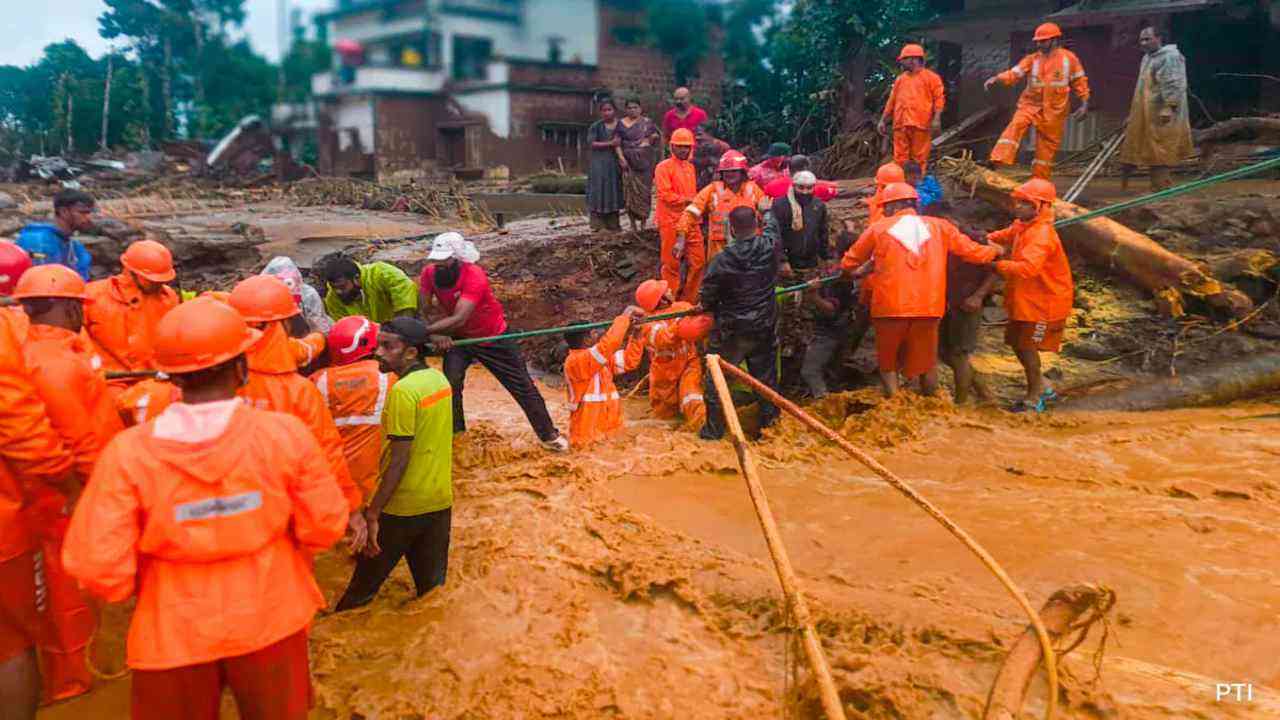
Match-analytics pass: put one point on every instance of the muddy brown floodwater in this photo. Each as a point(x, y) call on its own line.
point(632, 581)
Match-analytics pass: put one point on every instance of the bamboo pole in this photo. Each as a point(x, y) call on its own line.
point(1046, 642)
point(773, 538)
point(643, 381)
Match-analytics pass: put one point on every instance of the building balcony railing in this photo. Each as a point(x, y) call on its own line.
point(369, 79)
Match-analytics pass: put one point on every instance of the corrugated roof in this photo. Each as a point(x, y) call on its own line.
point(1129, 7)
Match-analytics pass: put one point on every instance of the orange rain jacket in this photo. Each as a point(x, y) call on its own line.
point(215, 536)
point(1038, 283)
point(31, 451)
point(356, 394)
point(916, 98)
point(62, 364)
point(910, 253)
point(595, 409)
point(675, 369)
point(121, 321)
point(1050, 80)
point(274, 384)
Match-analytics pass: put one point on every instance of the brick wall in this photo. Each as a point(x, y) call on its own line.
point(527, 151)
point(647, 74)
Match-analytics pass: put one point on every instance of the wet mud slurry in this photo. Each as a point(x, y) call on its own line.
point(633, 582)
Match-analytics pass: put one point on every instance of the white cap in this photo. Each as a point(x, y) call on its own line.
point(451, 244)
point(804, 177)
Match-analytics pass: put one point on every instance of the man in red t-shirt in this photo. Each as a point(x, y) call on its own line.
point(471, 310)
point(684, 115)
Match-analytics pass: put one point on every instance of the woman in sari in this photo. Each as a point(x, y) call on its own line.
point(604, 175)
point(640, 141)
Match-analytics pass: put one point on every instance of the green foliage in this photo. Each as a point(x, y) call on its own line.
point(680, 29)
point(237, 82)
point(788, 68)
point(305, 59)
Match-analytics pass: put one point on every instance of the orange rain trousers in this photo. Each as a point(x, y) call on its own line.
point(1044, 104)
point(912, 144)
point(675, 370)
point(82, 412)
point(595, 408)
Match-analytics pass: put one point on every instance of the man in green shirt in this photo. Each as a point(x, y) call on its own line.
point(410, 514)
point(379, 291)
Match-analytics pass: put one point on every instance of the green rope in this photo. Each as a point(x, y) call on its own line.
point(1171, 192)
point(1065, 222)
point(607, 323)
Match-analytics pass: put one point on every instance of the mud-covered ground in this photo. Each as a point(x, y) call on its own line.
point(632, 581)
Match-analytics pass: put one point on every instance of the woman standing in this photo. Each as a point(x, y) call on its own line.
point(604, 176)
point(640, 140)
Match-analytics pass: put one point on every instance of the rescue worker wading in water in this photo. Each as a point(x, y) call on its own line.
point(595, 408)
point(675, 366)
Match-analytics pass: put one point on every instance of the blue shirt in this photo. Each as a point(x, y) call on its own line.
point(930, 192)
point(47, 245)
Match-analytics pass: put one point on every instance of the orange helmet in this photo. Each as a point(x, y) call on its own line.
point(682, 136)
point(1047, 31)
point(894, 192)
point(50, 281)
point(890, 173)
point(694, 327)
point(263, 298)
point(650, 293)
point(732, 160)
point(911, 51)
point(200, 334)
point(352, 338)
point(1036, 190)
point(149, 259)
point(13, 262)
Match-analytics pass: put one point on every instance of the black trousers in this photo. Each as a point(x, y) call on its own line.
point(422, 540)
point(760, 349)
point(503, 359)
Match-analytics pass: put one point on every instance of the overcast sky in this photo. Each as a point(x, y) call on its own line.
point(26, 33)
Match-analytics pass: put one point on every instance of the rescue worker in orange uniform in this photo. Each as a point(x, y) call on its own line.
point(210, 514)
point(713, 203)
point(675, 184)
point(595, 408)
point(675, 366)
point(64, 368)
point(909, 295)
point(265, 303)
point(1039, 290)
point(356, 391)
point(885, 175)
point(1051, 72)
point(32, 456)
point(915, 108)
point(123, 310)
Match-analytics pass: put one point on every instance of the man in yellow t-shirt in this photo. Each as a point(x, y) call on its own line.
point(409, 515)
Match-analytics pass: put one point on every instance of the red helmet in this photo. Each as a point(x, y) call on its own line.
point(13, 262)
point(732, 160)
point(352, 338)
point(890, 173)
point(1047, 31)
point(911, 51)
point(1036, 190)
point(898, 191)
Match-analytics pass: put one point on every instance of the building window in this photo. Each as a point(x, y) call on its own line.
point(564, 135)
point(471, 57)
point(419, 50)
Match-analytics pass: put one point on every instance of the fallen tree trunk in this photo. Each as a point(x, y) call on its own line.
point(1059, 616)
point(1253, 127)
point(1216, 385)
point(1110, 245)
